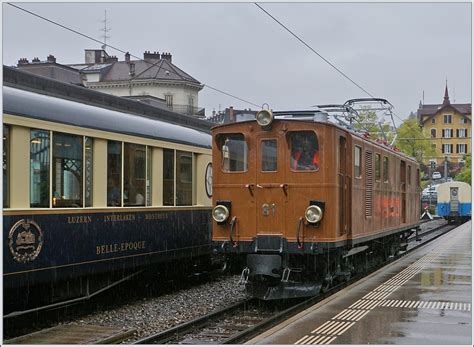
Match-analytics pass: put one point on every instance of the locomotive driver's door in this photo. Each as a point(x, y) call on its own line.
point(344, 189)
point(270, 192)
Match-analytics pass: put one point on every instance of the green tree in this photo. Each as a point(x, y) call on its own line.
point(368, 121)
point(465, 174)
point(414, 141)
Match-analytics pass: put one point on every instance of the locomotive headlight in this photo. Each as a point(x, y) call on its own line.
point(264, 118)
point(220, 213)
point(313, 214)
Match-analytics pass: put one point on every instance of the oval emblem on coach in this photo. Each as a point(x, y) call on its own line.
point(25, 240)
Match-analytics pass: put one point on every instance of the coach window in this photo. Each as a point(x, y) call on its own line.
point(134, 174)
point(233, 153)
point(168, 177)
point(39, 168)
point(184, 178)
point(304, 151)
point(88, 173)
point(269, 155)
point(357, 161)
point(6, 160)
point(148, 176)
point(377, 167)
point(67, 170)
point(114, 173)
point(385, 169)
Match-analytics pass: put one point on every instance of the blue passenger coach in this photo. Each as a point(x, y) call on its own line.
point(93, 195)
point(454, 201)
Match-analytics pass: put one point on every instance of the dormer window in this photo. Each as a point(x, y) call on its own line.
point(433, 121)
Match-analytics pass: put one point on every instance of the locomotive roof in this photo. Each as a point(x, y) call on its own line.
point(38, 106)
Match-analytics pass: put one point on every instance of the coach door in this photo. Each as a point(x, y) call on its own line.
point(453, 199)
point(344, 181)
point(269, 190)
point(403, 190)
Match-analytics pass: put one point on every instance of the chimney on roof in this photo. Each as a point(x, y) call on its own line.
point(51, 59)
point(127, 57)
point(23, 61)
point(446, 95)
point(35, 60)
point(166, 56)
point(111, 59)
point(150, 55)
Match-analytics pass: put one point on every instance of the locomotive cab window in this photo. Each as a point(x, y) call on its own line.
point(269, 155)
point(377, 167)
point(385, 169)
point(234, 152)
point(357, 162)
point(304, 151)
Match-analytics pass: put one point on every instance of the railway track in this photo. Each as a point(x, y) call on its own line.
point(242, 321)
point(238, 323)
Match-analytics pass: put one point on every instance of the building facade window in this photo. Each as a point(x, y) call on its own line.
point(169, 101)
point(461, 132)
point(39, 168)
point(447, 149)
point(433, 133)
point(447, 133)
point(447, 119)
point(463, 120)
point(461, 148)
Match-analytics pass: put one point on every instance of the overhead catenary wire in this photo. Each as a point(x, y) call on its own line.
point(319, 55)
point(122, 51)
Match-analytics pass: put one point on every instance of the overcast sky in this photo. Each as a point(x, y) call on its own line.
point(393, 50)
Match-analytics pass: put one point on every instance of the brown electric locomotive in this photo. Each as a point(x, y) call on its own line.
point(301, 202)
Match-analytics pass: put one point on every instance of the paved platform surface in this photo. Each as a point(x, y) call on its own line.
point(423, 298)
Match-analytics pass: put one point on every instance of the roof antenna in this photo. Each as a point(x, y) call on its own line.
point(105, 30)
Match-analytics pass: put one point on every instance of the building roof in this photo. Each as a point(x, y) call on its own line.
point(160, 69)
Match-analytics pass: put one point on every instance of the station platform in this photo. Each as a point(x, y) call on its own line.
point(423, 298)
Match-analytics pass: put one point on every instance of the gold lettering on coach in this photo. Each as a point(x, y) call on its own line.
point(119, 218)
point(120, 247)
point(79, 219)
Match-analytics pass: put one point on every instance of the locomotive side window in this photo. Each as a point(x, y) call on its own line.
point(88, 173)
point(385, 169)
point(39, 168)
point(377, 167)
point(234, 153)
point(184, 178)
point(409, 174)
point(357, 161)
point(67, 170)
point(6, 159)
point(304, 151)
point(269, 155)
point(168, 177)
point(134, 174)
point(114, 173)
